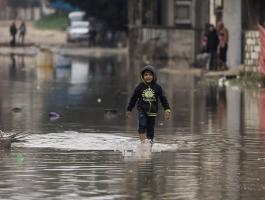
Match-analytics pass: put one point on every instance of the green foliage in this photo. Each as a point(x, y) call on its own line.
point(57, 21)
point(208, 82)
point(247, 80)
point(251, 80)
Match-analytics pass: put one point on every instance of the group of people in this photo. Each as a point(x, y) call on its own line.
point(21, 31)
point(214, 48)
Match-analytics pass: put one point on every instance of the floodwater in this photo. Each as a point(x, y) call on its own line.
point(213, 147)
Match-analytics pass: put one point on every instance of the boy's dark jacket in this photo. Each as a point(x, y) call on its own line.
point(147, 95)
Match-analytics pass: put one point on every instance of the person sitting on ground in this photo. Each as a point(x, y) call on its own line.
point(203, 58)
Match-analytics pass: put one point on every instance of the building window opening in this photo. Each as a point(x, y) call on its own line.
point(183, 13)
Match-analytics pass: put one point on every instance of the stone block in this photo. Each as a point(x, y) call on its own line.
point(247, 55)
point(257, 48)
point(253, 55)
point(248, 42)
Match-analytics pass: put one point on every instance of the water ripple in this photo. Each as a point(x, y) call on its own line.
point(93, 141)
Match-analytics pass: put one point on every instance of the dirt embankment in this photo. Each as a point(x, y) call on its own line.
point(33, 35)
point(55, 40)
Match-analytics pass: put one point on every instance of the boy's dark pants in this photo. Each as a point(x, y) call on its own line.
point(146, 124)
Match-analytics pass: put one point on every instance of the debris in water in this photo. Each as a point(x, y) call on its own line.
point(110, 113)
point(19, 158)
point(7, 138)
point(54, 116)
point(16, 109)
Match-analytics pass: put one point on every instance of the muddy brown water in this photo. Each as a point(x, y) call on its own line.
point(213, 147)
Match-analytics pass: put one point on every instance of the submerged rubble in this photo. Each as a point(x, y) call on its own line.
point(7, 138)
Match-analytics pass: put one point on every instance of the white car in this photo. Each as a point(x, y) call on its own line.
point(78, 31)
point(76, 16)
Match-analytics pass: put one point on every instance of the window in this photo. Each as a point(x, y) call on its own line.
point(183, 12)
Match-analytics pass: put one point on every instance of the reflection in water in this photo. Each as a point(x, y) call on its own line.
point(211, 149)
point(12, 65)
point(79, 72)
point(16, 67)
point(45, 58)
point(262, 120)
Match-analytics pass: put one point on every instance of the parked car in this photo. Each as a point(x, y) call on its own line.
point(78, 31)
point(76, 16)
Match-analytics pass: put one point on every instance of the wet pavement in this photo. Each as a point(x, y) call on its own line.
point(213, 148)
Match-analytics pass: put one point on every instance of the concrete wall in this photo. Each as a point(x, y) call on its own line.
point(33, 13)
point(179, 43)
point(232, 20)
point(201, 17)
point(155, 44)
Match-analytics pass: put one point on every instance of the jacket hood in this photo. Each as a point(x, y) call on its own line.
point(148, 68)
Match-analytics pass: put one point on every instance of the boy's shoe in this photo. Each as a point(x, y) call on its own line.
point(151, 141)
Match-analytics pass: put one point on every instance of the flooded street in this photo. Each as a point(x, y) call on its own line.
point(213, 147)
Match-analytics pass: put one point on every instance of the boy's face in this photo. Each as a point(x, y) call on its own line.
point(148, 76)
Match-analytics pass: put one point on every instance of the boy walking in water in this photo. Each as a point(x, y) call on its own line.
point(146, 94)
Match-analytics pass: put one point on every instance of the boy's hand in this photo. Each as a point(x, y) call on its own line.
point(167, 114)
point(128, 114)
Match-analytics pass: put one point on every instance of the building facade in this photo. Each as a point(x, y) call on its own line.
point(253, 15)
point(241, 17)
point(24, 10)
point(173, 28)
point(166, 29)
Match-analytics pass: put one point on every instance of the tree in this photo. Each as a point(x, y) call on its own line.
point(112, 12)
